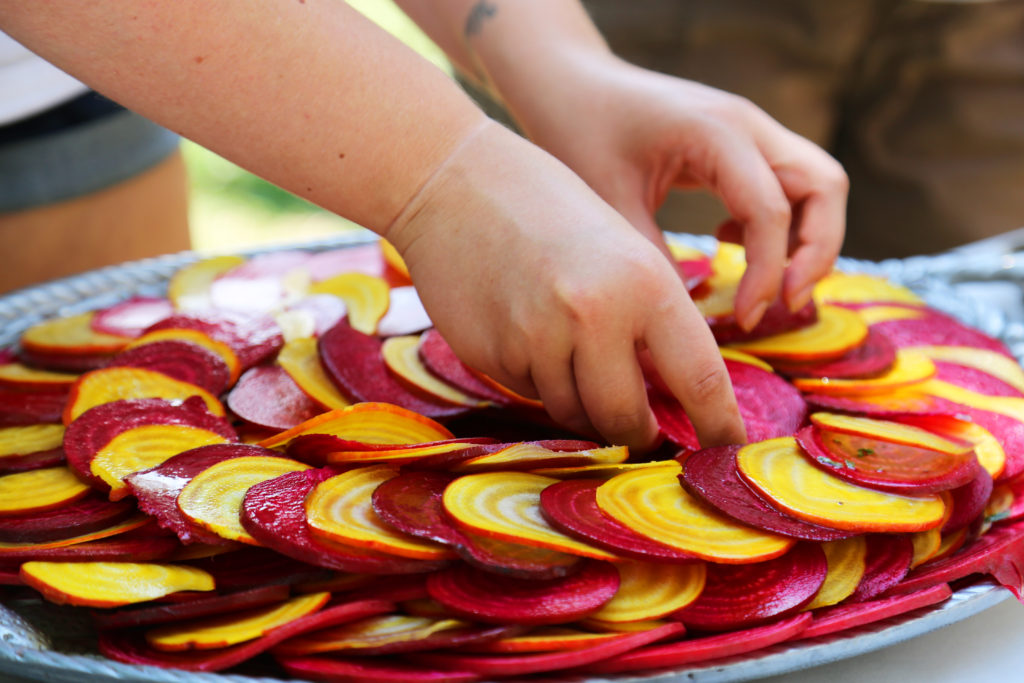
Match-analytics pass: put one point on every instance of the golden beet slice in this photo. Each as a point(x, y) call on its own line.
point(836, 331)
point(846, 566)
point(861, 288)
point(213, 499)
point(872, 315)
point(372, 633)
point(987, 448)
point(30, 439)
point(522, 456)
point(909, 369)
point(740, 357)
point(189, 287)
point(22, 376)
point(649, 590)
point(111, 584)
point(887, 430)
point(71, 334)
point(367, 297)
point(341, 509)
point(378, 423)
point(1010, 406)
point(926, 546)
point(301, 360)
point(653, 503)
point(394, 260)
point(401, 355)
point(225, 352)
point(506, 506)
point(230, 629)
point(116, 383)
point(38, 490)
point(779, 471)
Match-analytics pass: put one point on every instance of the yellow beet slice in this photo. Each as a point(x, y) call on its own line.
point(521, 454)
point(727, 267)
point(885, 430)
point(506, 506)
point(111, 584)
point(367, 298)
point(226, 353)
point(18, 374)
point(71, 334)
point(371, 632)
point(30, 439)
point(377, 423)
point(394, 259)
point(653, 503)
point(649, 590)
point(144, 447)
point(872, 315)
point(213, 499)
point(836, 331)
point(926, 546)
point(909, 368)
point(779, 471)
point(231, 629)
point(189, 287)
point(1011, 406)
point(740, 357)
point(116, 383)
point(301, 360)
point(845, 559)
point(341, 509)
point(38, 490)
point(991, 362)
point(401, 355)
point(861, 288)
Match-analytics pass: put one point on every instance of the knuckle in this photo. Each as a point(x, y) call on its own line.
point(710, 382)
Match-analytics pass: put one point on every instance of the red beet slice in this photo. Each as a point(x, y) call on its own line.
point(872, 358)
point(253, 338)
point(695, 271)
point(370, 670)
point(969, 502)
point(274, 513)
point(31, 461)
point(937, 329)
point(441, 360)
point(777, 319)
point(446, 639)
point(81, 517)
point(976, 380)
point(491, 598)
point(737, 596)
point(19, 408)
point(130, 317)
point(64, 362)
point(266, 396)
point(518, 665)
point(711, 475)
point(96, 427)
point(844, 617)
point(205, 606)
point(886, 466)
point(886, 561)
point(131, 648)
point(354, 363)
point(181, 360)
point(157, 489)
point(249, 567)
point(704, 649)
point(121, 548)
point(571, 507)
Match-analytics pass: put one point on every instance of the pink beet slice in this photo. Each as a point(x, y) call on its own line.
point(887, 466)
point(203, 606)
point(354, 363)
point(130, 317)
point(872, 358)
point(266, 396)
point(969, 502)
point(19, 408)
point(81, 517)
point(181, 360)
point(704, 649)
point(519, 665)
point(96, 427)
point(274, 513)
point(253, 338)
point(491, 598)
point(571, 506)
point(131, 648)
point(974, 379)
point(120, 548)
point(711, 475)
point(843, 617)
point(157, 489)
point(777, 319)
point(737, 596)
point(937, 329)
point(886, 561)
point(370, 670)
point(441, 360)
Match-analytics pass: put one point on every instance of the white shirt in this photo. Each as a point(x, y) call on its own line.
point(29, 84)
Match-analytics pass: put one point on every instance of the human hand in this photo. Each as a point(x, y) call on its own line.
point(537, 282)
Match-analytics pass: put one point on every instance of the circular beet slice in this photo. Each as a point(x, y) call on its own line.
point(874, 357)
point(571, 507)
point(440, 359)
point(203, 606)
point(266, 396)
point(253, 338)
point(81, 517)
point(181, 360)
point(130, 317)
point(886, 562)
point(736, 596)
point(18, 408)
point(711, 475)
point(969, 502)
point(777, 319)
point(491, 598)
point(937, 329)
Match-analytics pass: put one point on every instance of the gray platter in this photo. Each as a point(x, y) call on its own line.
point(44, 642)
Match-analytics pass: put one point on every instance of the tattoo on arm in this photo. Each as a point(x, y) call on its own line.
point(478, 15)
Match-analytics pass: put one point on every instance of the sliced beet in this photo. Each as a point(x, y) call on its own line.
point(253, 338)
point(886, 561)
point(157, 489)
point(120, 548)
point(88, 514)
point(131, 317)
point(249, 567)
point(843, 617)
point(204, 606)
point(96, 427)
point(79, 361)
point(130, 647)
point(19, 408)
point(181, 360)
point(969, 502)
point(872, 358)
point(32, 461)
point(441, 360)
point(266, 396)
point(491, 598)
point(354, 363)
point(884, 465)
point(711, 475)
point(937, 329)
point(370, 670)
point(742, 595)
point(274, 513)
point(777, 319)
point(316, 449)
point(693, 650)
point(883, 406)
point(976, 380)
point(571, 507)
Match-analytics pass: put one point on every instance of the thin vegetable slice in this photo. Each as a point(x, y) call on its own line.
point(649, 590)
point(991, 362)
point(198, 338)
point(886, 561)
point(129, 318)
point(180, 360)
point(852, 288)
point(90, 513)
point(901, 432)
point(836, 331)
point(427, 454)
point(39, 490)
point(189, 287)
point(365, 296)
point(846, 566)
point(401, 354)
point(27, 550)
point(544, 639)
point(71, 335)
point(908, 369)
point(844, 617)
point(438, 357)
point(300, 359)
point(872, 358)
point(384, 634)
point(111, 584)
point(28, 447)
point(533, 454)
point(365, 423)
point(266, 396)
point(112, 384)
point(18, 376)
point(203, 606)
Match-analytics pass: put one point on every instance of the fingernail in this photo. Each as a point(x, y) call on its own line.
point(754, 316)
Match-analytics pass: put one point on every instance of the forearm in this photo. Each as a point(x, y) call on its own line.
point(310, 95)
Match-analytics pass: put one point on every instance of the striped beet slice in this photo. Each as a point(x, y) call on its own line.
point(886, 562)
point(440, 359)
point(874, 357)
point(253, 338)
point(81, 517)
point(181, 360)
point(18, 408)
point(266, 396)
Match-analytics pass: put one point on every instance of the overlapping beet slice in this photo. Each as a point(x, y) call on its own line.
point(81, 517)
point(202, 606)
point(181, 360)
point(968, 502)
point(886, 562)
point(266, 396)
point(777, 319)
point(843, 617)
point(711, 475)
point(121, 548)
point(440, 359)
point(371, 670)
point(872, 358)
point(937, 329)
point(974, 379)
point(253, 338)
point(131, 317)
point(250, 567)
point(19, 408)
